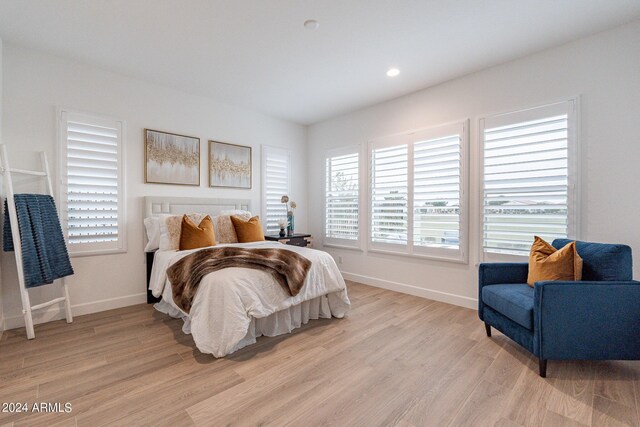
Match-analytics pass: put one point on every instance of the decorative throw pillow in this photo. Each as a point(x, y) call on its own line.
point(194, 236)
point(225, 232)
point(248, 231)
point(237, 212)
point(547, 263)
point(170, 230)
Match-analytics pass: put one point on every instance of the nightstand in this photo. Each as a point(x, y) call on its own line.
point(294, 239)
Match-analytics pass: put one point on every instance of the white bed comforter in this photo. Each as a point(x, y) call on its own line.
point(227, 300)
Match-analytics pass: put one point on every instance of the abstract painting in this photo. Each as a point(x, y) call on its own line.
point(171, 158)
point(229, 165)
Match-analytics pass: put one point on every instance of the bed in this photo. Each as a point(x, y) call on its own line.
point(235, 306)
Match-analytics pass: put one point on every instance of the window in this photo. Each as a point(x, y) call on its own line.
point(389, 195)
point(276, 176)
point(418, 193)
point(529, 176)
point(92, 192)
point(341, 224)
point(436, 188)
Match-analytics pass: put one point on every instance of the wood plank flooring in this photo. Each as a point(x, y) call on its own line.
point(394, 360)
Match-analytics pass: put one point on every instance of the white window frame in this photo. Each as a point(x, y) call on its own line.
point(335, 242)
point(459, 255)
point(91, 249)
point(570, 106)
point(265, 149)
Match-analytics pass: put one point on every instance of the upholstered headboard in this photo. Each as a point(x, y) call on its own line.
point(156, 205)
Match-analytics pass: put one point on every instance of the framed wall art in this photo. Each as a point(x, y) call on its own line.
point(229, 165)
point(171, 158)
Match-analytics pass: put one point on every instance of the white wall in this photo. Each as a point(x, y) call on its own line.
point(36, 83)
point(603, 69)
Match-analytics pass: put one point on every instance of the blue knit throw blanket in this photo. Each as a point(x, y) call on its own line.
point(44, 253)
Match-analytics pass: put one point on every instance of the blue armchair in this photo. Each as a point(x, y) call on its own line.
point(597, 318)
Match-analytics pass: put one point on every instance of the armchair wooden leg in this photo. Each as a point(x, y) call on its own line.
point(542, 364)
point(487, 327)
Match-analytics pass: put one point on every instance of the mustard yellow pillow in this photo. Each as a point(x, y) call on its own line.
point(194, 236)
point(548, 263)
point(247, 231)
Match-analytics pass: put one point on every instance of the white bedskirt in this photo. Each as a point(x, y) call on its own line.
point(278, 323)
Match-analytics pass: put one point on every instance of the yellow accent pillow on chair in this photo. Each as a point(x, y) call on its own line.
point(549, 263)
point(248, 231)
point(194, 236)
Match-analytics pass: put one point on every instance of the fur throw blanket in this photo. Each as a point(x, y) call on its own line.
point(287, 267)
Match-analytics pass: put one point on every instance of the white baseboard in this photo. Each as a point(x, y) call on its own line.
point(56, 312)
point(414, 290)
point(2, 328)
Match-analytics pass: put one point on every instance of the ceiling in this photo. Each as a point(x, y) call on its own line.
point(257, 54)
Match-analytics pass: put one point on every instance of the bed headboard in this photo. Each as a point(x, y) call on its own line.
point(156, 205)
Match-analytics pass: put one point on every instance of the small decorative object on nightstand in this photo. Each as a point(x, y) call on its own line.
point(294, 239)
point(282, 223)
point(291, 229)
point(289, 206)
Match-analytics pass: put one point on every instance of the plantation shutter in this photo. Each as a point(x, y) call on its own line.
point(418, 198)
point(389, 195)
point(92, 199)
point(342, 198)
point(275, 184)
point(436, 192)
point(528, 179)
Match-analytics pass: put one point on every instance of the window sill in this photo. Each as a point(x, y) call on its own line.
point(97, 253)
point(338, 246)
point(502, 257)
point(420, 256)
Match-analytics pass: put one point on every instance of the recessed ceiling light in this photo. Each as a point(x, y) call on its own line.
point(311, 24)
point(392, 72)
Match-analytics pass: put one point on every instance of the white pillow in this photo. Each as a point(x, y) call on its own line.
point(152, 226)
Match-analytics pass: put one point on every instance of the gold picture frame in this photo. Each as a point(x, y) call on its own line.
point(171, 158)
point(230, 165)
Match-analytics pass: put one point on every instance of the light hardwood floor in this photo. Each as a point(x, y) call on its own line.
point(395, 360)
